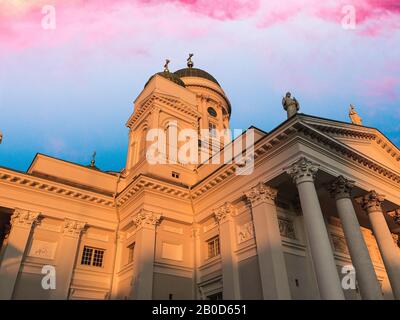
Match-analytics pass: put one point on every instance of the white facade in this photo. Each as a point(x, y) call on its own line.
point(311, 207)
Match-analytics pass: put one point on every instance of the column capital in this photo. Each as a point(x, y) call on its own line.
point(395, 215)
point(261, 193)
point(341, 188)
point(303, 170)
point(371, 201)
point(146, 218)
point(24, 218)
point(73, 228)
point(224, 212)
point(396, 239)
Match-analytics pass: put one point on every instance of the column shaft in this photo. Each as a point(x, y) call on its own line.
point(22, 222)
point(230, 272)
point(142, 281)
point(365, 273)
point(303, 173)
point(66, 257)
point(274, 278)
point(371, 203)
point(321, 249)
point(388, 250)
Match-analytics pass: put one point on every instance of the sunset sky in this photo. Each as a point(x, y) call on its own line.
point(68, 91)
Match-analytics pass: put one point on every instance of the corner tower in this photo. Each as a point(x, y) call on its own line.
point(211, 100)
point(189, 98)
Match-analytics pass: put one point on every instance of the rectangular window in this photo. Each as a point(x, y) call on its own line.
point(87, 256)
point(131, 252)
point(212, 128)
point(213, 247)
point(175, 174)
point(92, 257)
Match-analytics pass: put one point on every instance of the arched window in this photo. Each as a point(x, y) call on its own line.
point(143, 144)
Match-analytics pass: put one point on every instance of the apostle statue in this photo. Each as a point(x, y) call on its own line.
point(354, 117)
point(291, 105)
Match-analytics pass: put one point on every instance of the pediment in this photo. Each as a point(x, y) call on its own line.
point(368, 141)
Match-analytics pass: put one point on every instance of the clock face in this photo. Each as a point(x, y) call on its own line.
point(212, 112)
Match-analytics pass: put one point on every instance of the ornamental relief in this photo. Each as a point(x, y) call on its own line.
point(245, 232)
point(43, 249)
point(339, 243)
point(24, 218)
point(396, 239)
point(286, 228)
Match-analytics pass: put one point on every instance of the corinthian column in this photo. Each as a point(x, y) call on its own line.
point(230, 273)
point(142, 282)
point(271, 261)
point(371, 203)
point(303, 173)
point(66, 256)
point(365, 273)
point(22, 222)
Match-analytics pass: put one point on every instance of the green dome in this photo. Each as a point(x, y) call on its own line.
point(194, 72)
point(168, 75)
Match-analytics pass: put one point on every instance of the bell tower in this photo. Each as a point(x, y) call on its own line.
point(189, 98)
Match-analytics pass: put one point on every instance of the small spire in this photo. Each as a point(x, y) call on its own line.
point(93, 161)
point(167, 61)
point(189, 61)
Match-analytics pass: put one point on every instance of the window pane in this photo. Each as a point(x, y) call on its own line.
point(213, 247)
point(87, 256)
point(98, 258)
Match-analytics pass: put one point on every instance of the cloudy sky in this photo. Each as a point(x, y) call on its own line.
point(67, 91)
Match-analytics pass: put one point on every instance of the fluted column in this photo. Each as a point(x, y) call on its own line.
point(22, 222)
point(303, 173)
point(66, 257)
point(143, 266)
point(274, 278)
point(365, 273)
point(371, 203)
point(227, 240)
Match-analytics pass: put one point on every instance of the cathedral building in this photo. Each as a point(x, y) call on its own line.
point(316, 217)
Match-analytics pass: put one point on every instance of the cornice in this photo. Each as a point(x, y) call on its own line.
point(359, 132)
point(147, 183)
point(263, 146)
point(271, 141)
point(38, 184)
point(349, 152)
point(163, 100)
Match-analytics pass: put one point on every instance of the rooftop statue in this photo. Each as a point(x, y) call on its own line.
point(354, 117)
point(189, 61)
point(167, 61)
point(291, 105)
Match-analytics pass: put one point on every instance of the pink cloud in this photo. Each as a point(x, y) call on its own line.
point(387, 87)
point(220, 10)
point(372, 16)
point(100, 21)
